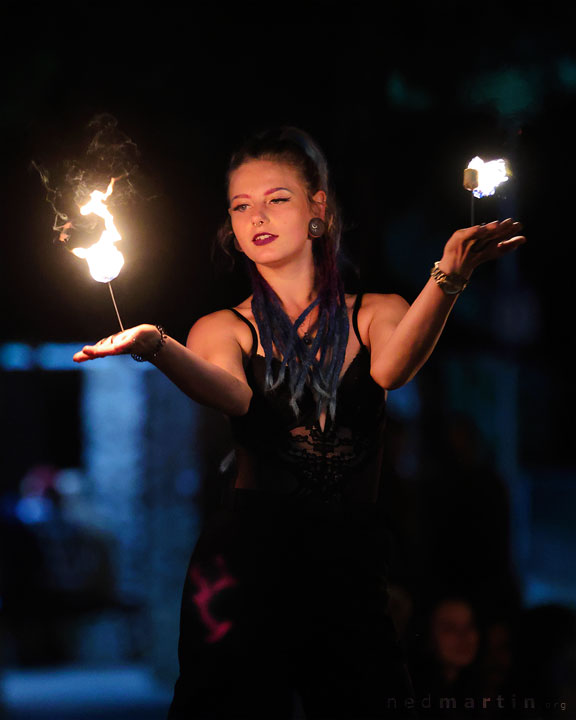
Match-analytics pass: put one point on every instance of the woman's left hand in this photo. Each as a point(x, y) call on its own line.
point(470, 247)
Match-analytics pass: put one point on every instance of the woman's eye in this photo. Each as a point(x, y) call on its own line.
point(241, 207)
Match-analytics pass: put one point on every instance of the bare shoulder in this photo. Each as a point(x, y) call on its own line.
point(381, 313)
point(388, 304)
point(382, 307)
point(220, 331)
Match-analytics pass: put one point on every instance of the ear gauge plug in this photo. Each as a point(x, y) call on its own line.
point(316, 227)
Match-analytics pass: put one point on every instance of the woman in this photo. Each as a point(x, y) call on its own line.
point(446, 672)
point(286, 588)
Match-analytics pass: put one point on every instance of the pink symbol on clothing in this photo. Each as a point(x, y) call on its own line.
point(207, 590)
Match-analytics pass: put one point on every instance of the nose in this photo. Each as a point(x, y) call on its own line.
point(259, 217)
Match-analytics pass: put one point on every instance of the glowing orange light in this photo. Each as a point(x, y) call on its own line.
point(104, 259)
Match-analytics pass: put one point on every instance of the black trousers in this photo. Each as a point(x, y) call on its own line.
point(278, 599)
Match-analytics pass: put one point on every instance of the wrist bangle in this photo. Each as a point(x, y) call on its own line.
point(159, 346)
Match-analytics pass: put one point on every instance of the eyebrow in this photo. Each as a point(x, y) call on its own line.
point(268, 192)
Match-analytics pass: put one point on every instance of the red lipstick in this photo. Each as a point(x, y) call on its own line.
point(263, 238)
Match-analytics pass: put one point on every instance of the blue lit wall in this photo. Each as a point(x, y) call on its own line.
point(140, 479)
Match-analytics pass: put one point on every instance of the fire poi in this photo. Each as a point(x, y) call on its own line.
point(111, 158)
point(482, 178)
point(103, 257)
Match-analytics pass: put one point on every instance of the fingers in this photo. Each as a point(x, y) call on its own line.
point(493, 234)
point(498, 229)
point(494, 227)
point(90, 352)
point(470, 247)
point(103, 347)
point(112, 345)
point(507, 227)
point(511, 244)
point(80, 357)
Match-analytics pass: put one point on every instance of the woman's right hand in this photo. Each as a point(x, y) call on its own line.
point(140, 340)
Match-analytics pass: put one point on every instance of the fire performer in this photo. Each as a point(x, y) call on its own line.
point(286, 588)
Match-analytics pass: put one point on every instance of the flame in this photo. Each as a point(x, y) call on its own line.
point(490, 175)
point(104, 260)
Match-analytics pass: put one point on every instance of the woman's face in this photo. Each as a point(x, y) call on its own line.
point(270, 211)
point(454, 634)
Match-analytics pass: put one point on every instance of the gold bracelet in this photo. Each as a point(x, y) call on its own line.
point(450, 283)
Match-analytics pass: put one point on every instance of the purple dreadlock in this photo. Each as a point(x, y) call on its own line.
point(297, 148)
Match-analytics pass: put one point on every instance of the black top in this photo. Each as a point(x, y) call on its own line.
point(293, 457)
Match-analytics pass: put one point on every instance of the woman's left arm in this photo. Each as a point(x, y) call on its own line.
point(402, 337)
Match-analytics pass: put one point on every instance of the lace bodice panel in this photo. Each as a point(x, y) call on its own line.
point(279, 453)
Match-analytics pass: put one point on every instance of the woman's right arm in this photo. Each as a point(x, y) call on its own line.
point(209, 369)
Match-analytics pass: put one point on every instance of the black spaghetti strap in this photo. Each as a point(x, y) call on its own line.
point(252, 328)
point(357, 304)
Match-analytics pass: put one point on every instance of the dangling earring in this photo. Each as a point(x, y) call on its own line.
point(316, 227)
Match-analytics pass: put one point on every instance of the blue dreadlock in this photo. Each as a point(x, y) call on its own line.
point(297, 148)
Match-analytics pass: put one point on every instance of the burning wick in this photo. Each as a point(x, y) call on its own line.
point(482, 178)
point(104, 260)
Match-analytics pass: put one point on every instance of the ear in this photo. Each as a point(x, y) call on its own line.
point(319, 204)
